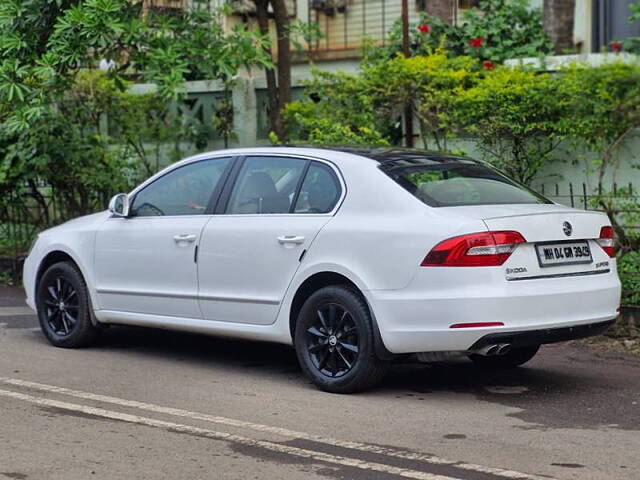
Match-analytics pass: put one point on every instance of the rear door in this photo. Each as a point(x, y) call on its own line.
point(272, 209)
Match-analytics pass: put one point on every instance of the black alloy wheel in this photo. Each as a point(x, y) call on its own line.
point(64, 307)
point(332, 340)
point(61, 306)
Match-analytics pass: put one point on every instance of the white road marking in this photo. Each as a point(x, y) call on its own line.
point(228, 437)
point(15, 311)
point(363, 447)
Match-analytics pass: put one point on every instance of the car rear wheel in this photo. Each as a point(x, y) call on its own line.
point(514, 358)
point(334, 341)
point(63, 307)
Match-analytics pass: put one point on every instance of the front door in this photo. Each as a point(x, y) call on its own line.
point(251, 250)
point(146, 263)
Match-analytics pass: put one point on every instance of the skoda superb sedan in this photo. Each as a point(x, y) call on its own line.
point(356, 257)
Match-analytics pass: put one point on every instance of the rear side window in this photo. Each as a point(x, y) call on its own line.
point(266, 185)
point(320, 190)
point(454, 184)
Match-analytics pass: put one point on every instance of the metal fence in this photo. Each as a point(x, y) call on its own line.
point(30, 208)
point(624, 198)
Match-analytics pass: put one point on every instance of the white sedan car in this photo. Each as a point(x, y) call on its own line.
point(357, 257)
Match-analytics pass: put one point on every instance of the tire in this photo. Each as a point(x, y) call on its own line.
point(512, 359)
point(334, 341)
point(64, 307)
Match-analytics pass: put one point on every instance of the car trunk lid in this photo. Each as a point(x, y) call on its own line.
point(560, 241)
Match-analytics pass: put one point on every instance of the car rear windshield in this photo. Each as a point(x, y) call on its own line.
point(460, 183)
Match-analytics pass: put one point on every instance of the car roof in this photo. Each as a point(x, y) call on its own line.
point(387, 156)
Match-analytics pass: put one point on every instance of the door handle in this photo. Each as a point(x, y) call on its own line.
point(189, 238)
point(290, 239)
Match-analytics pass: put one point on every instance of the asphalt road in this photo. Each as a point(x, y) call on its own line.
point(149, 404)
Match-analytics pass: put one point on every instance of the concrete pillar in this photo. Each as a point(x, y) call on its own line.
point(245, 112)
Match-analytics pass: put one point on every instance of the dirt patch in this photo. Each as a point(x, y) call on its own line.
point(622, 337)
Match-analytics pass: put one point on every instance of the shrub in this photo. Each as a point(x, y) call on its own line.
point(369, 104)
point(629, 270)
point(603, 111)
point(513, 115)
point(338, 109)
point(435, 83)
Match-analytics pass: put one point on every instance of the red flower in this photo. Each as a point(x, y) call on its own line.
point(616, 47)
point(476, 42)
point(424, 28)
point(488, 65)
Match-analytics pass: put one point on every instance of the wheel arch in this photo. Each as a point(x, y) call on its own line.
point(51, 258)
point(55, 255)
point(324, 279)
point(58, 255)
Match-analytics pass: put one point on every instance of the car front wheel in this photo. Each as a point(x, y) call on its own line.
point(63, 307)
point(334, 341)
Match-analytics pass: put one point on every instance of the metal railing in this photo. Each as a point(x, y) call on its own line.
point(30, 208)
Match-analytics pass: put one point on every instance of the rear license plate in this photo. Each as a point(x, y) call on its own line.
point(563, 253)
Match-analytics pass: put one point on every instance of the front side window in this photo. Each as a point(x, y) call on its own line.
point(266, 185)
point(460, 183)
point(320, 190)
point(184, 191)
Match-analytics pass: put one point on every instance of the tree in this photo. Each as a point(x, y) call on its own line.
point(50, 112)
point(41, 54)
point(278, 81)
point(559, 19)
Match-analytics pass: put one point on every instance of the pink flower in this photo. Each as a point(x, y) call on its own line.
point(616, 47)
point(424, 28)
point(476, 42)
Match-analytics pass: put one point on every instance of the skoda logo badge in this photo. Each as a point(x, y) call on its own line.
point(567, 228)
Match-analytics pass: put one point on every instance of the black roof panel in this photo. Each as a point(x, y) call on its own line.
point(402, 156)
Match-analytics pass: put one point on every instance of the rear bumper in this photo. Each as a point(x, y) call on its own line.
point(539, 337)
point(419, 318)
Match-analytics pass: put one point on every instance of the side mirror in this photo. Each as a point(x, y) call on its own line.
point(119, 205)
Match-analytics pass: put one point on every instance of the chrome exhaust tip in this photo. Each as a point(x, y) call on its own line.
point(494, 350)
point(488, 351)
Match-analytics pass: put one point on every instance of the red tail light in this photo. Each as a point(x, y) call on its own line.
point(477, 324)
point(606, 241)
point(485, 249)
